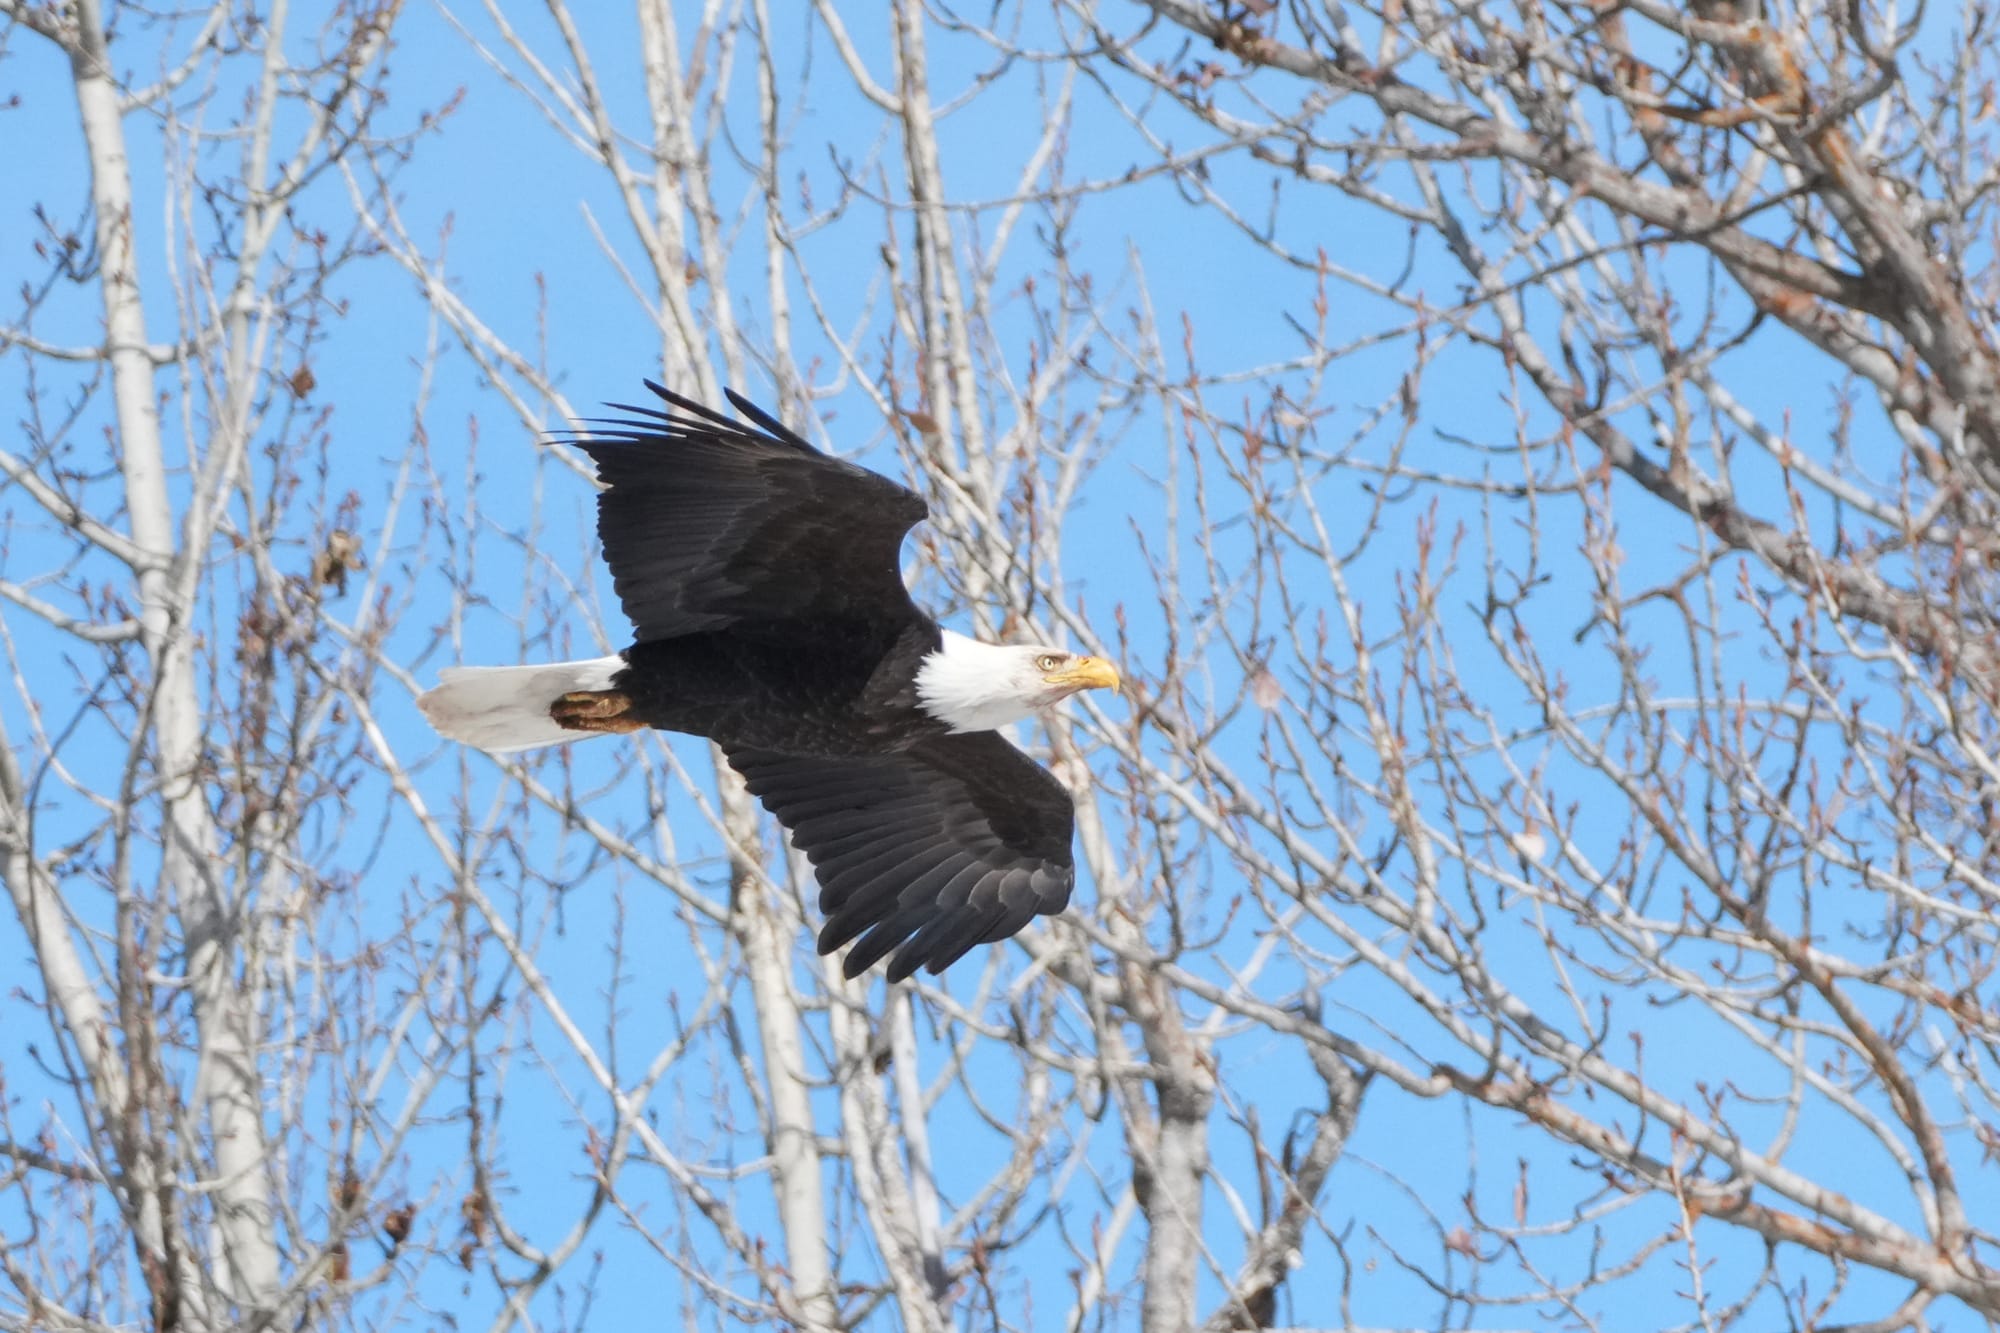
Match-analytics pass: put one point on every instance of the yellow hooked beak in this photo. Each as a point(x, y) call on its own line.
point(1086, 673)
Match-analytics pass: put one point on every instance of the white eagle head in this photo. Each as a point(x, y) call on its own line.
point(974, 686)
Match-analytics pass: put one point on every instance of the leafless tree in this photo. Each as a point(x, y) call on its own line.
point(177, 753)
point(1673, 727)
point(1535, 464)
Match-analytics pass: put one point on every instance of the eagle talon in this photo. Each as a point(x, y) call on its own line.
point(595, 710)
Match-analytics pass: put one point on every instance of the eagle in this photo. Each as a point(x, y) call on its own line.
point(764, 585)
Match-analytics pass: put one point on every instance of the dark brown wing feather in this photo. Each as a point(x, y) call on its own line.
point(708, 522)
point(958, 841)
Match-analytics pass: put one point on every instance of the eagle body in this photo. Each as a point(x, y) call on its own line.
point(769, 614)
point(853, 691)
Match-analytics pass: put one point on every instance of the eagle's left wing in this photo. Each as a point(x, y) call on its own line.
point(708, 522)
point(958, 841)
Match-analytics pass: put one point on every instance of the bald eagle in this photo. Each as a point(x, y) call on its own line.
point(769, 615)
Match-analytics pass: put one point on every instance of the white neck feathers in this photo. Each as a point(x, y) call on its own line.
point(974, 686)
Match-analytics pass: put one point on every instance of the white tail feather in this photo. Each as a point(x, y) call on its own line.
point(504, 709)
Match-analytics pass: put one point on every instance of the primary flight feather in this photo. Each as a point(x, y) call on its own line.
point(763, 582)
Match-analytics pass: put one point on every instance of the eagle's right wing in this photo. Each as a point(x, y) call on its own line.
point(959, 841)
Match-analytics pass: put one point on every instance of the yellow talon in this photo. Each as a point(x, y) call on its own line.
point(595, 710)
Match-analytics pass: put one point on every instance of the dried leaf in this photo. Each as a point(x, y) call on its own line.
point(1265, 691)
point(396, 1225)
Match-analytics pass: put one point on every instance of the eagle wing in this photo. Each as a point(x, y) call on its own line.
point(957, 841)
point(707, 522)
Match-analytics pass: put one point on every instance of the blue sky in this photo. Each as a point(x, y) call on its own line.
point(511, 199)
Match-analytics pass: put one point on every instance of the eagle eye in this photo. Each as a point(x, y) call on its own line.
point(1048, 661)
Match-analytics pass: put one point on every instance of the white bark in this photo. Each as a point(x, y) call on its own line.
point(1170, 1152)
point(37, 900)
point(681, 180)
point(914, 1132)
point(248, 1266)
point(675, 170)
point(875, 1157)
point(1275, 1250)
point(944, 315)
point(797, 1182)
